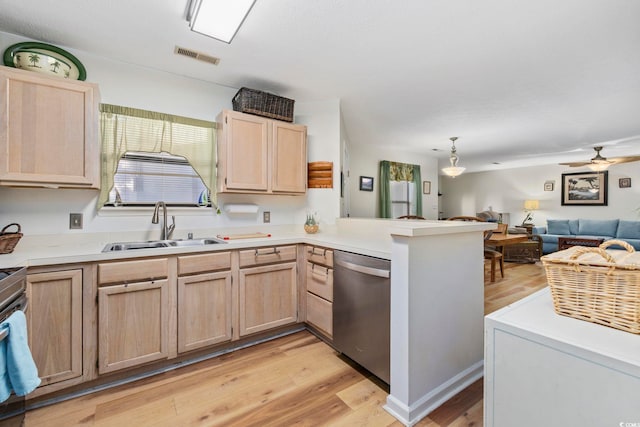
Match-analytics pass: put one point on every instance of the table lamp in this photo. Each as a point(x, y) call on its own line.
point(530, 205)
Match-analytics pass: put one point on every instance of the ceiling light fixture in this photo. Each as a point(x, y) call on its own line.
point(598, 163)
point(219, 19)
point(453, 170)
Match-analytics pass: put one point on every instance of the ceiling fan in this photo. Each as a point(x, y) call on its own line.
point(599, 163)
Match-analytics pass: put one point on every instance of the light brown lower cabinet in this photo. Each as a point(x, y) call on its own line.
point(268, 297)
point(319, 313)
point(133, 324)
point(54, 319)
point(319, 281)
point(204, 310)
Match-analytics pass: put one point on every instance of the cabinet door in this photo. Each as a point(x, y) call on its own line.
point(247, 152)
point(204, 310)
point(268, 297)
point(48, 132)
point(54, 319)
point(289, 173)
point(133, 324)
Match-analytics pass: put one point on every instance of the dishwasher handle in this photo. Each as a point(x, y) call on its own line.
point(379, 272)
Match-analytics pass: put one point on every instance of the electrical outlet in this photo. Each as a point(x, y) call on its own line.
point(266, 216)
point(75, 221)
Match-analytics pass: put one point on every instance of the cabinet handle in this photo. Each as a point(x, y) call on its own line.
point(313, 252)
point(313, 268)
point(274, 251)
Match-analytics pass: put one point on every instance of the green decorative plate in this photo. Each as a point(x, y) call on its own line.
point(46, 59)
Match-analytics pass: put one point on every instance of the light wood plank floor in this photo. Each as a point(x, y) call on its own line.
point(296, 380)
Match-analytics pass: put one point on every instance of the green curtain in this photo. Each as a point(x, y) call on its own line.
point(125, 129)
point(385, 191)
point(417, 181)
point(394, 171)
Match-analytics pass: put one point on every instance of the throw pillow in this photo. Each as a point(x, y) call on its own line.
point(558, 226)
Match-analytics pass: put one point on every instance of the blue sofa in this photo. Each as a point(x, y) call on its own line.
point(606, 229)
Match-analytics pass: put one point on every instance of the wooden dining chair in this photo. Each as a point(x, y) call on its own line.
point(489, 254)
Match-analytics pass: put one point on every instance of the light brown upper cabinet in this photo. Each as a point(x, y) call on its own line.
point(260, 155)
point(49, 131)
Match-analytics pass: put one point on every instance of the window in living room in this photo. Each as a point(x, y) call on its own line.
point(400, 190)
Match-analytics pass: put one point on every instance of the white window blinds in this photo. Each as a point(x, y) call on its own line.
point(145, 178)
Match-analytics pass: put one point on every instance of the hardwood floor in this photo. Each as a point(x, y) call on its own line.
point(296, 380)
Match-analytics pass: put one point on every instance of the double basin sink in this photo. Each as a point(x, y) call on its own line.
point(150, 244)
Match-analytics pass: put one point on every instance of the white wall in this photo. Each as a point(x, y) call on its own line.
point(365, 161)
point(323, 122)
point(506, 191)
point(46, 211)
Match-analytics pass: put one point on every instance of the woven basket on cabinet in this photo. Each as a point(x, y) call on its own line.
point(597, 285)
point(263, 104)
point(9, 239)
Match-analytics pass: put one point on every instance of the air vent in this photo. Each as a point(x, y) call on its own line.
point(196, 55)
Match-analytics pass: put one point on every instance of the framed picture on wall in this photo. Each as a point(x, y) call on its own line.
point(366, 183)
point(585, 188)
point(624, 182)
point(426, 187)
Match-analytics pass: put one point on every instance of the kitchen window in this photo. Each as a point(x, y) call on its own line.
point(149, 156)
point(144, 178)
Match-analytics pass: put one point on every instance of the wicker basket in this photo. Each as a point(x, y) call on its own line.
point(263, 104)
point(311, 229)
point(9, 239)
point(596, 285)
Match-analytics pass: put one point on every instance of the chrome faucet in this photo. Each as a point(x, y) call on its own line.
point(166, 231)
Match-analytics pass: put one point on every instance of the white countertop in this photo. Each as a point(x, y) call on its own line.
point(370, 237)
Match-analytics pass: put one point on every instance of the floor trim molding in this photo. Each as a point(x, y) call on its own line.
point(410, 415)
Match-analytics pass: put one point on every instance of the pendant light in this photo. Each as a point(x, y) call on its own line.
point(453, 170)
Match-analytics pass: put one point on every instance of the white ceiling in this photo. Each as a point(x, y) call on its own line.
point(521, 82)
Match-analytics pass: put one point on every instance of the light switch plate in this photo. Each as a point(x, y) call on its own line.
point(75, 221)
point(266, 216)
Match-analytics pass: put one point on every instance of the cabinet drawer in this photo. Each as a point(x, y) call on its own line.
point(190, 264)
point(132, 271)
point(319, 313)
point(320, 281)
point(320, 255)
point(267, 255)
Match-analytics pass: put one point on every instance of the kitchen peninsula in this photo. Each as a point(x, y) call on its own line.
point(436, 292)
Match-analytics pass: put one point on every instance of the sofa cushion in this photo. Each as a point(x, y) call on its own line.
point(598, 227)
point(633, 242)
point(628, 229)
point(558, 226)
point(574, 226)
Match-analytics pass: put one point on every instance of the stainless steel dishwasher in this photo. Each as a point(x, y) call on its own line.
point(361, 300)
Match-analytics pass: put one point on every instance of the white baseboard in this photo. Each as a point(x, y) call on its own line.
point(410, 414)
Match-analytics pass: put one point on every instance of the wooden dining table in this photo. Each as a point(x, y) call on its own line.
point(500, 240)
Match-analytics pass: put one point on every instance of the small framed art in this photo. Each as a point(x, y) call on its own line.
point(624, 182)
point(366, 183)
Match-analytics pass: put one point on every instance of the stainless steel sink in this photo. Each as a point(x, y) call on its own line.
point(127, 246)
point(195, 242)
